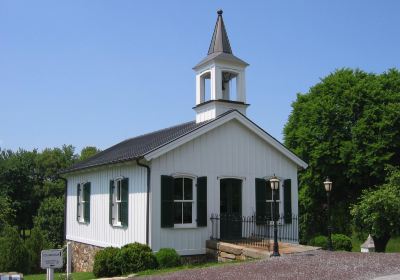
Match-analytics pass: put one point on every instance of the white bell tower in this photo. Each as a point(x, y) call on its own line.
point(224, 74)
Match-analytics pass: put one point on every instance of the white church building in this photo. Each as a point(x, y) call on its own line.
point(162, 188)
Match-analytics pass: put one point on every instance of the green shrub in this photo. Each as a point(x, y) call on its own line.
point(106, 263)
point(35, 244)
point(319, 241)
point(13, 253)
point(168, 257)
point(341, 242)
point(50, 220)
point(136, 257)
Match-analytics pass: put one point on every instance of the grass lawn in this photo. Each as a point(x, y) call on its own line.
point(75, 276)
point(392, 247)
point(185, 267)
point(89, 275)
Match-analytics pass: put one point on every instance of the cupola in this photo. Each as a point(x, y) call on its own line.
point(220, 78)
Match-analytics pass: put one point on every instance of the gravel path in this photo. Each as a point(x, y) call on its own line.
point(312, 265)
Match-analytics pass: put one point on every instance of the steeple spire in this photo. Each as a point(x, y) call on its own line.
point(220, 41)
point(220, 78)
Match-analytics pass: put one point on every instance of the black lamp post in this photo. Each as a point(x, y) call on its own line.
point(328, 189)
point(274, 181)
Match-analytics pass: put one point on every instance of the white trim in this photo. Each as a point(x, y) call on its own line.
point(180, 226)
point(193, 200)
point(231, 177)
point(209, 126)
point(91, 242)
point(184, 175)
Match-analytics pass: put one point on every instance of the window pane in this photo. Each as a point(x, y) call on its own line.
point(119, 212)
point(187, 212)
point(178, 189)
point(178, 213)
point(269, 191)
point(276, 193)
point(188, 189)
point(119, 192)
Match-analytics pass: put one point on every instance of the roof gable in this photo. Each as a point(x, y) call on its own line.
point(155, 144)
point(230, 115)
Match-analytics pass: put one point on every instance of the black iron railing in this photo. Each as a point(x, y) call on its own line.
point(253, 231)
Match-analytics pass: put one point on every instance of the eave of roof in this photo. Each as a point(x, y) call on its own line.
point(113, 155)
point(136, 147)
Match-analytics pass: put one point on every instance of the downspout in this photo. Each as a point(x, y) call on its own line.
point(65, 205)
point(148, 198)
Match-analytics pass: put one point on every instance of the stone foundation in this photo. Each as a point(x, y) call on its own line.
point(224, 252)
point(83, 256)
point(194, 259)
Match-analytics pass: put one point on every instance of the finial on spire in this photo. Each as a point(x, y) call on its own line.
point(220, 41)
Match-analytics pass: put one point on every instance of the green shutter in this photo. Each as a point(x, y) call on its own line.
point(86, 196)
point(167, 201)
point(287, 200)
point(261, 197)
point(78, 194)
point(124, 202)
point(110, 208)
point(202, 201)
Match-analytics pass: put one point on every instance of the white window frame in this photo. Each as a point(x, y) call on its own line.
point(82, 202)
point(183, 176)
point(116, 221)
point(278, 201)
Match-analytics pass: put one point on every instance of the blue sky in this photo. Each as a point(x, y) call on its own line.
point(98, 72)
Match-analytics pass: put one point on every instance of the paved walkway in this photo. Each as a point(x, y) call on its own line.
point(389, 277)
point(309, 265)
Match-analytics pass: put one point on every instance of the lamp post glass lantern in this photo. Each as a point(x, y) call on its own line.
point(274, 181)
point(328, 189)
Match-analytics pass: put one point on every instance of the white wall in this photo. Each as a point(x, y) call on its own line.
point(99, 232)
point(229, 150)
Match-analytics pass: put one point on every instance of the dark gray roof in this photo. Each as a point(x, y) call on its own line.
point(220, 40)
point(220, 48)
point(137, 147)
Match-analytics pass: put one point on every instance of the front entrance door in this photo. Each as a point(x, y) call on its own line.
point(231, 208)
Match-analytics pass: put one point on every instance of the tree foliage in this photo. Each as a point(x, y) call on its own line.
point(34, 245)
point(378, 211)
point(13, 253)
point(88, 152)
point(346, 127)
point(50, 220)
point(7, 214)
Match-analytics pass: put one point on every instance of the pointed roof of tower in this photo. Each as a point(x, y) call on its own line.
point(220, 48)
point(220, 40)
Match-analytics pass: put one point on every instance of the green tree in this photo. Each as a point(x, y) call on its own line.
point(50, 220)
point(13, 254)
point(28, 177)
point(378, 211)
point(35, 244)
point(17, 181)
point(7, 214)
point(88, 152)
point(345, 127)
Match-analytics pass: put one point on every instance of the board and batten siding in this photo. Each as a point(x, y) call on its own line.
point(228, 151)
point(99, 232)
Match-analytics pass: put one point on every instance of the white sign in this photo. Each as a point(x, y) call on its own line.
point(51, 258)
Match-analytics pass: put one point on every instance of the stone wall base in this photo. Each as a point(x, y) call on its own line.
point(225, 252)
point(194, 259)
point(83, 256)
